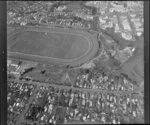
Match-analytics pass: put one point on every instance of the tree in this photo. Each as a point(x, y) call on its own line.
point(28, 70)
point(43, 71)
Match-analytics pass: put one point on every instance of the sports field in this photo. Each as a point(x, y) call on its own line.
point(50, 44)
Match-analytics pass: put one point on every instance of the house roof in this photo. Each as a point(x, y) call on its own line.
point(12, 68)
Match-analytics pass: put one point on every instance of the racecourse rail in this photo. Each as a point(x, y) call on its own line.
point(91, 39)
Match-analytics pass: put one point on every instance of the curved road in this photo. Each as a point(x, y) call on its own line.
point(134, 66)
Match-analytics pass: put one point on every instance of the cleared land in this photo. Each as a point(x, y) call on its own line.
point(59, 45)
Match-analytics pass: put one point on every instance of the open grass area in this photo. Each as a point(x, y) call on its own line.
point(52, 44)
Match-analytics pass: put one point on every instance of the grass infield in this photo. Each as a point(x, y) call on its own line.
point(49, 44)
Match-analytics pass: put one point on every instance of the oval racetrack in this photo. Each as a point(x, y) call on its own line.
point(51, 45)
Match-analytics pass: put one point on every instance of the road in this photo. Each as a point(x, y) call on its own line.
point(38, 84)
point(21, 117)
point(129, 66)
point(76, 89)
point(134, 66)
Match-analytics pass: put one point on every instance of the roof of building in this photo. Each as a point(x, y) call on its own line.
point(12, 68)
